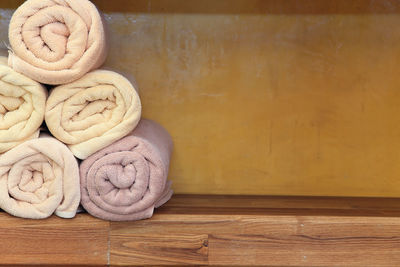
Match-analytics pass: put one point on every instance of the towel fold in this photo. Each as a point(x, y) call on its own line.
point(93, 112)
point(56, 41)
point(39, 177)
point(22, 106)
point(128, 179)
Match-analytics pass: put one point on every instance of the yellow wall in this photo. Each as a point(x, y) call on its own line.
point(267, 97)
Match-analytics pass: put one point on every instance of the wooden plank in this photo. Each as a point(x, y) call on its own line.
point(159, 248)
point(196, 229)
point(242, 6)
point(82, 240)
point(251, 6)
point(312, 241)
point(11, 4)
point(259, 240)
point(217, 230)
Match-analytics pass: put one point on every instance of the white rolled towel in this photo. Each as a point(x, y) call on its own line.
point(93, 112)
point(22, 107)
point(38, 178)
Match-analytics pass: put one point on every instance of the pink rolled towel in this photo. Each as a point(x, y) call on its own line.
point(128, 179)
point(56, 41)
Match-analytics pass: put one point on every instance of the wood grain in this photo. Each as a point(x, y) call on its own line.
point(217, 230)
point(312, 241)
point(82, 240)
point(159, 248)
point(262, 240)
point(278, 231)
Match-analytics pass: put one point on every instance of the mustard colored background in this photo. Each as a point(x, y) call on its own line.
point(266, 97)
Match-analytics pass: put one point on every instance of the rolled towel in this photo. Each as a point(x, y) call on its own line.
point(93, 112)
point(128, 179)
point(22, 106)
point(39, 177)
point(57, 41)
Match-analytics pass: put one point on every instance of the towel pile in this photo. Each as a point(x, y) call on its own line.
point(90, 114)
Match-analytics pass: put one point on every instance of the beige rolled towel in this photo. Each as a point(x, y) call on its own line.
point(22, 106)
point(57, 41)
point(93, 112)
point(39, 177)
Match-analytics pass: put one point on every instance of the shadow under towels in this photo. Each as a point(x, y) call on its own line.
point(39, 177)
point(128, 179)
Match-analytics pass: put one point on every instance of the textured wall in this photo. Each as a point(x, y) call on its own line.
point(267, 97)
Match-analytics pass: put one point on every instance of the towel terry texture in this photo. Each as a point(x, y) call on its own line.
point(93, 112)
point(56, 41)
point(22, 107)
point(39, 177)
point(128, 179)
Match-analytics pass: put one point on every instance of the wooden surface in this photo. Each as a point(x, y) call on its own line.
point(300, 96)
point(218, 230)
point(53, 241)
point(257, 240)
point(242, 6)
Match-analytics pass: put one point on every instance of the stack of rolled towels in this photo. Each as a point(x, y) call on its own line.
point(90, 114)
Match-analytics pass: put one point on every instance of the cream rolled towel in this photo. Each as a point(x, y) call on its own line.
point(22, 107)
point(93, 112)
point(39, 177)
point(57, 41)
point(128, 179)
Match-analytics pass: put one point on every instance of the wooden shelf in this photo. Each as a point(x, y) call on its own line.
point(263, 7)
point(218, 230)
